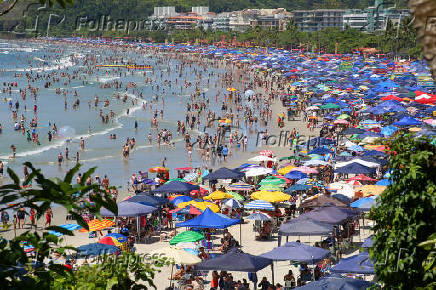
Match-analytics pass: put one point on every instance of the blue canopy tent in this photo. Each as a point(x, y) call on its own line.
point(357, 264)
point(148, 200)
point(176, 186)
point(224, 173)
point(355, 168)
point(297, 252)
point(330, 215)
point(96, 249)
point(335, 282)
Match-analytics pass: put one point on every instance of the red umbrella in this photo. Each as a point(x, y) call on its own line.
point(184, 168)
point(282, 177)
point(268, 153)
point(391, 97)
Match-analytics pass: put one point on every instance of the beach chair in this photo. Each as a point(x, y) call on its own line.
point(208, 245)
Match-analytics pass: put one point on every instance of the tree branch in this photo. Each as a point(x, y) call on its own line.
point(9, 8)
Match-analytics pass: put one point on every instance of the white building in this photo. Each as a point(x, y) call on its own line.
point(166, 11)
point(200, 10)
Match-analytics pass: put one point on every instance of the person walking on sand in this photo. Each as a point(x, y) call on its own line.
point(33, 217)
point(48, 217)
point(21, 216)
point(60, 159)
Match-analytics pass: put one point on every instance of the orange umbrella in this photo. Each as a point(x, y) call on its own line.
point(98, 225)
point(158, 169)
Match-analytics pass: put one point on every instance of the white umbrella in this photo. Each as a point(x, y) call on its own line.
point(179, 256)
point(249, 93)
point(258, 171)
point(260, 158)
point(312, 108)
point(231, 203)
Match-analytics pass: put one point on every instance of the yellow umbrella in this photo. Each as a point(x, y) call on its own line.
point(218, 195)
point(415, 129)
point(285, 170)
point(200, 205)
point(231, 89)
point(98, 225)
point(368, 190)
point(227, 121)
point(270, 196)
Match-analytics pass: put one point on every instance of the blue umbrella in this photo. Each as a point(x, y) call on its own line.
point(298, 187)
point(364, 204)
point(176, 187)
point(407, 121)
point(358, 264)
point(384, 182)
point(295, 175)
point(96, 249)
point(180, 199)
point(297, 252)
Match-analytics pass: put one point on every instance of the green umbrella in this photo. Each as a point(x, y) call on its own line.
point(343, 117)
point(236, 196)
point(187, 237)
point(270, 187)
point(330, 106)
point(275, 181)
point(174, 179)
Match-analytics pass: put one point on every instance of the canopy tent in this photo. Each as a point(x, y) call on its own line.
point(176, 186)
point(357, 264)
point(129, 209)
point(334, 282)
point(330, 214)
point(224, 173)
point(297, 252)
point(302, 226)
point(235, 260)
point(148, 200)
point(209, 219)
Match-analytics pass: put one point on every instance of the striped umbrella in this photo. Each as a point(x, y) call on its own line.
point(191, 176)
point(231, 203)
point(240, 186)
point(186, 237)
point(236, 196)
point(259, 204)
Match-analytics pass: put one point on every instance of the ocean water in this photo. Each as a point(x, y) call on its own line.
point(20, 58)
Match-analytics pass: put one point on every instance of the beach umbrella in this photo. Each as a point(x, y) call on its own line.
point(129, 209)
point(96, 249)
point(249, 93)
point(330, 214)
point(371, 189)
point(270, 196)
point(355, 168)
point(261, 158)
point(258, 216)
point(361, 177)
point(275, 181)
point(224, 173)
point(315, 163)
point(297, 187)
point(158, 169)
point(384, 182)
point(231, 203)
point(177, 255)
point(174, 179)
point(119, 241)
point(407, 121)
point(240, 186)
point(330, 106)
point(179, 199)
point(186, 237)
point(297, 252)
point(257, 171)
point(364, 204)
point(70, 227)
point(285, 169)
point(231, 89)
point(306, 169)
point(187, 210)
point(266, 153)
point(217, 195)
point(148, 200)
point(176, 187)
point(259, 204)
point(334, 282)
point(236, 196)
point(295, 175)
point(352, 131)
point(320, 151)
point(200, 205)
point(357, 264)
point(270, 187)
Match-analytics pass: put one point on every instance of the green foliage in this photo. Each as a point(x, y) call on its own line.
point(405, 215)
point(128, 271)
point(74, 198)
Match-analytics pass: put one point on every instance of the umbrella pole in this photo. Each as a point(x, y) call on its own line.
point(240, 234)
point(171, 277)
point(272, 272)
